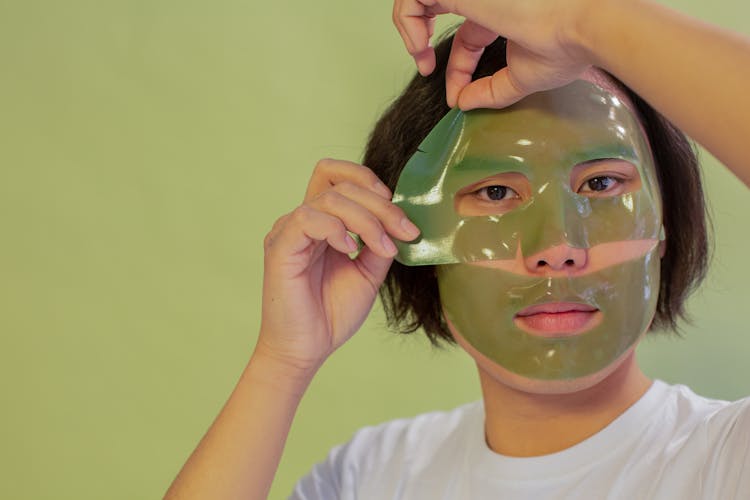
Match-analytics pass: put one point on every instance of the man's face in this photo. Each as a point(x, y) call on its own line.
point(547, 217)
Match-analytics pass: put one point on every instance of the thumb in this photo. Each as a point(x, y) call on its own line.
point(496, 91)
point(373, 266)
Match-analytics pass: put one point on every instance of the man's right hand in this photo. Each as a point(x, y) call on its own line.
point(315, 296)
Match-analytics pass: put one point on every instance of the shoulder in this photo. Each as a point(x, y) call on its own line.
point(688, 412)
point(707, 438)
point(691, 408)
point(417, 434)
point(385, 454)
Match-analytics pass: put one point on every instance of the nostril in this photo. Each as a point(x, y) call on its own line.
point(563, 258)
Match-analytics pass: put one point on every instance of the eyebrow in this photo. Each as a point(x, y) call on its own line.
point(510, 163)
point(617, 151)
point(495, 165)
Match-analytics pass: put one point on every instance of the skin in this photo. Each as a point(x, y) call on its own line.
point(528, 416)
point(543, 151)
point(581, 127)
point(305, 269)
point(482, 304)
point(553, 42)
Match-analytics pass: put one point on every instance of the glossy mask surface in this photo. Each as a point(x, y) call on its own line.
point(542, 138)
point(482, 302)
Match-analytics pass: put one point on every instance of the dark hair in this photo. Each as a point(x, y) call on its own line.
point(410, 294)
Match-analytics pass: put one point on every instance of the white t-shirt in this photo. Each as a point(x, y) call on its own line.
point(671, 444)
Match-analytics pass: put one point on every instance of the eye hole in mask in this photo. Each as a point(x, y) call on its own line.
point(569, 165)
point(502, 193)
point(491, 190)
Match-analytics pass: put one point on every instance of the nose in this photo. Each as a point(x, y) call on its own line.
point(557, 258)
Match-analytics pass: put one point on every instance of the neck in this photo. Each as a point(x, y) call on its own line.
point(523, 424)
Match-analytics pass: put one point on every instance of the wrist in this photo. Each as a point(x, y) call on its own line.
point(599, 23)
point(590, 20)
point(270, 368)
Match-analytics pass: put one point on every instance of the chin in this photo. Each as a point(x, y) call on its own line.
point(491, 372)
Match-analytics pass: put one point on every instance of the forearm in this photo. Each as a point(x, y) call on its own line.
point(239, 455)
point(314, 299)
point(696, 74)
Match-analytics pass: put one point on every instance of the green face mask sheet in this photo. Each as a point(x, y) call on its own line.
point(482, 303)
point(542, 137)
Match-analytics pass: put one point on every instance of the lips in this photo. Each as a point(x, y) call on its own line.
point(558, 319)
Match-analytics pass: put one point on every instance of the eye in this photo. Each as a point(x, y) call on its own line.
point(604, 178)
point(601, 184)
point(496, 193)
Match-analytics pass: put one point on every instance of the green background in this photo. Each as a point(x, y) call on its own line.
point(146, 146)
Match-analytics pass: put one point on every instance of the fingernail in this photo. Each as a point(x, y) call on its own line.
point(388, 245)
point(410, 228)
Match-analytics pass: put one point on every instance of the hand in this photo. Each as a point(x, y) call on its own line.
point(314, 295)
point(544, 49)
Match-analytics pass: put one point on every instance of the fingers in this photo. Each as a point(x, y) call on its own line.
point(305, 226)
point(414, 20)
point(504, 87)
point(368, 215)
point(343, 196)
point(330, 172)
point(540, 32)
point(373, 266)
point(468, 45)
point(496, 91)
point(527, 72)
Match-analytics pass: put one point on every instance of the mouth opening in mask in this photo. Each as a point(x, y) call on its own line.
point(543, 220)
